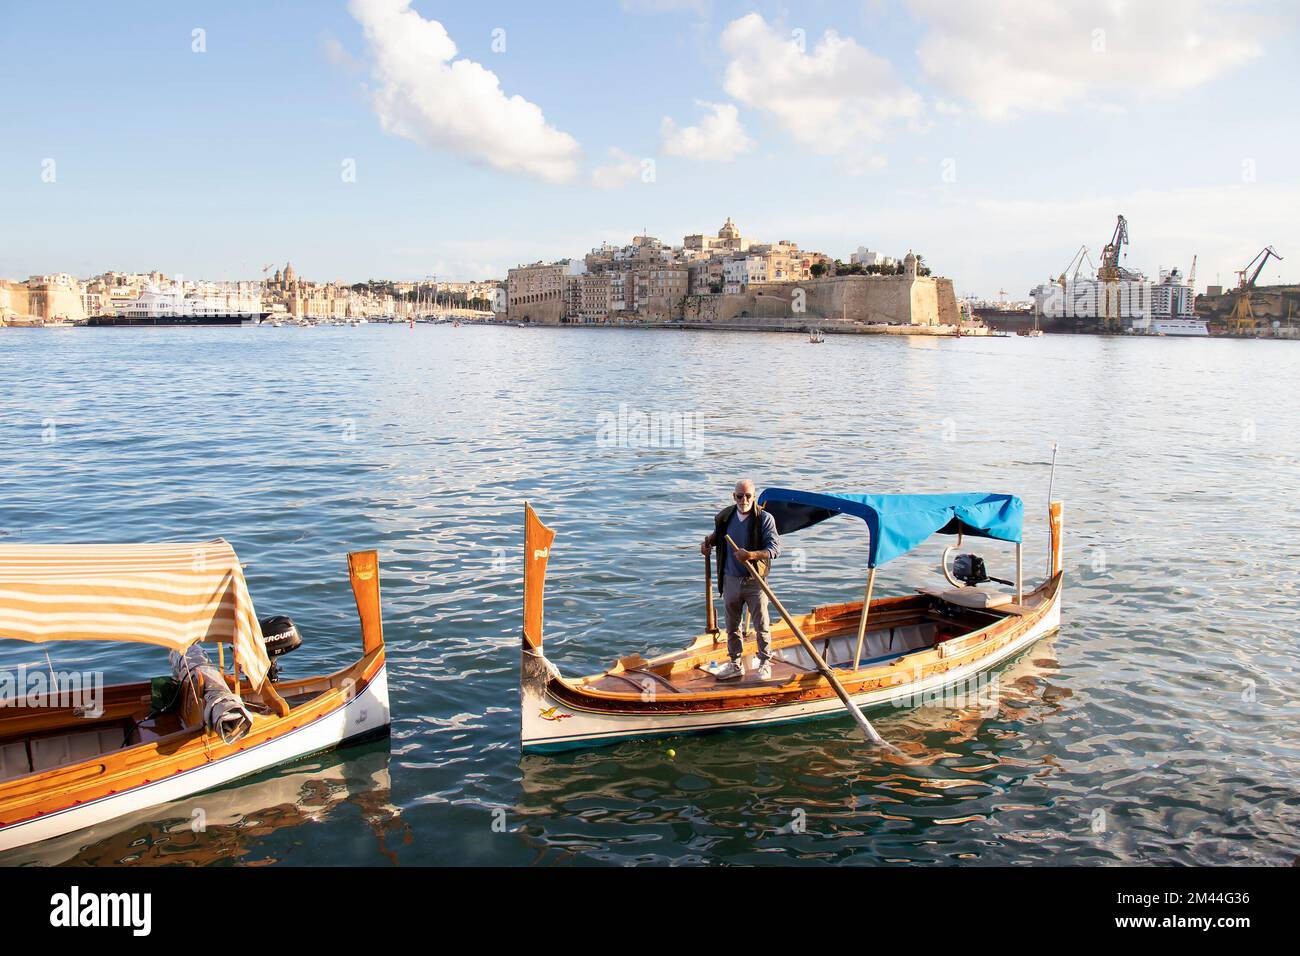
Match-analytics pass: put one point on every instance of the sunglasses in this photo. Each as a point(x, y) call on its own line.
point(742, 497)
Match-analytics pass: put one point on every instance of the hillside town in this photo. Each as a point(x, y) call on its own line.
point(722, 280)
point(725, 280)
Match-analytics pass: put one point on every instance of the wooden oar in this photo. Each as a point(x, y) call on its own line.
point(710, 616)
point(863, 724)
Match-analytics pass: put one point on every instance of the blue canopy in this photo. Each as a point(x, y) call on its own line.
point(898, 523)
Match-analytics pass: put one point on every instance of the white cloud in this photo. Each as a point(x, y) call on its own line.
point(424, 94)
point(622, 169)
point(337, 55)
point(1007, 57)
point(719, 137)
point(837, 99)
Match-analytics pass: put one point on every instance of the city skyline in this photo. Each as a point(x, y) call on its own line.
point(376, 139)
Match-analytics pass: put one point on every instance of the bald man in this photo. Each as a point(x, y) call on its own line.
point(754, 531)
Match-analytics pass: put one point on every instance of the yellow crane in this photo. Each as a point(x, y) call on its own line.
point(1242, 320)
point(1075, 263)
point(1109, 274)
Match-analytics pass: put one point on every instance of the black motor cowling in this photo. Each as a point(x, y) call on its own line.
point(280, 636)
point(970, 570)
point(967, 568)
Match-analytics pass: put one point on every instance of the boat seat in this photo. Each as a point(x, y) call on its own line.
point(61, 749)
point(977, 598)
point(13, 760)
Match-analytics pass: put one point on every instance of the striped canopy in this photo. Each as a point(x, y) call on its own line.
point(170, 595)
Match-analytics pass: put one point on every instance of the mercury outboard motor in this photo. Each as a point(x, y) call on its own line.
point(970, 570)
point(280, 637)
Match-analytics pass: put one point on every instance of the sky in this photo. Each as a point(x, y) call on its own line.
point(394, 139)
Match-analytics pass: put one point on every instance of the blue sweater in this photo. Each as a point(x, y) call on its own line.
point(737, 530)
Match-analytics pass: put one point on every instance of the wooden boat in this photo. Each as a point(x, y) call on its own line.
point(68, 763)
point(890, 651)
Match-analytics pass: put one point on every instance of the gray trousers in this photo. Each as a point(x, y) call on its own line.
point(738, 594)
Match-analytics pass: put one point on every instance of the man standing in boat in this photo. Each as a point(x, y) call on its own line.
point(754, 531)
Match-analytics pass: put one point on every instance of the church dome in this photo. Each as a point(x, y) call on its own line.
point(729, 230)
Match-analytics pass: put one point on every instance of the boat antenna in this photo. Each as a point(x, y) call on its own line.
point(1052, 476)
point(1051, 480)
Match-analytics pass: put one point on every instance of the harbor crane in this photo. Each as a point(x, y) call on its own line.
point(1109, 275)
point(1075, 263)
point(1242, 319)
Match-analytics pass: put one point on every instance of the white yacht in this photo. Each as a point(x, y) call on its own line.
point(176, 306)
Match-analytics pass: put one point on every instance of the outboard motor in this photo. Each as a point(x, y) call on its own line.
point(970, 570)
point(280, 636)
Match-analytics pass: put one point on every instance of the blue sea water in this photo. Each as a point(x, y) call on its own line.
point(1158, 726)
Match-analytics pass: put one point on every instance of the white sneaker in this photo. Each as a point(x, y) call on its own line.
point(729, 671)
point(764, 671)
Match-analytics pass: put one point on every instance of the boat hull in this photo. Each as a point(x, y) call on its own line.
point(363, 716)
point(554, 720)
point(243, 318)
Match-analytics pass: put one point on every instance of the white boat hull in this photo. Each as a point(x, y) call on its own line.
point(1192, 327)
point(364, 715)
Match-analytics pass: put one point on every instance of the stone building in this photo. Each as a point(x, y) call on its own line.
point(535, 293)
point(661, 290)
point(15, 305)
point(707, 276)
point(57, 298)
point(729, 240)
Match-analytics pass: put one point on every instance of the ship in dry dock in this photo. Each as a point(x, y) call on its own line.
point(1115, 298)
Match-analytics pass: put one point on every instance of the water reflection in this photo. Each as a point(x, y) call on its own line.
point(232, 825)
point(635, 803)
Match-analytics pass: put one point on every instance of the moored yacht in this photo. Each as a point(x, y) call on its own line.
point(176, 306)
